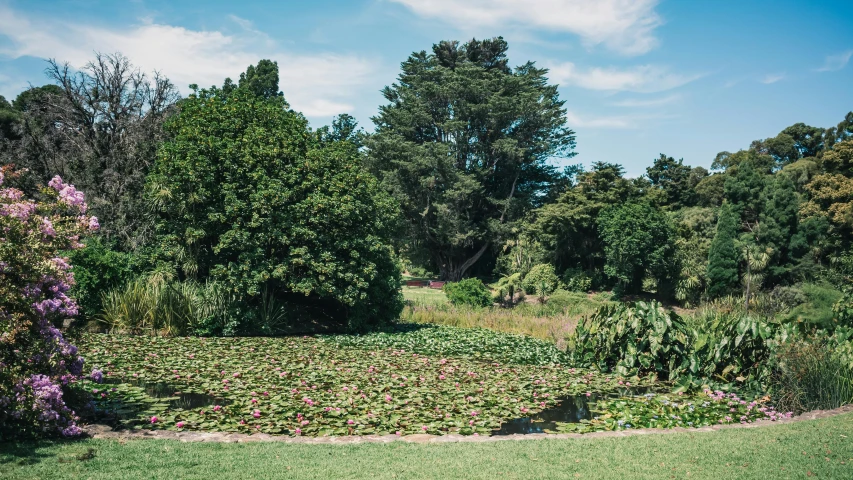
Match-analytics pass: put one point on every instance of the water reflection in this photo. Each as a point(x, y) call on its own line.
point(570, 409)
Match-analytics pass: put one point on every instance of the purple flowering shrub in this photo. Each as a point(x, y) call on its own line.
point(37, 363)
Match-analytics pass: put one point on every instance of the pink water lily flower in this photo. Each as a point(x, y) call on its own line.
point(154, 419)
point(180, 424)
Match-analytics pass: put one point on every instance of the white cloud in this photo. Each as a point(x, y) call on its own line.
point(626, 26)
point(574, 120)
point(834, 63)
point(771, 78)
point(317, 85)
point(642, 78)
point(650, 102)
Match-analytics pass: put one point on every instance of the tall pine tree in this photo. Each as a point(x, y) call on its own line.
point(723, 257)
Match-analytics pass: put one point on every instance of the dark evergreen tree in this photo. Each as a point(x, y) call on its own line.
point(723, 256)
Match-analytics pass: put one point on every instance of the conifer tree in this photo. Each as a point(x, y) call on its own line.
point(723, 257)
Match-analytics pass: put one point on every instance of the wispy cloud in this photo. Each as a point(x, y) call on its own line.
point(625, 26)
point(771, 78)
point(575, 120)
point(647, 102)
point(642, 78)
point(834, 63)
point(319, 85)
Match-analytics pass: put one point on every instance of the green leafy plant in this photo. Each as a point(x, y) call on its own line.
point(470, 291)
point(642, 338)
point(541, 280)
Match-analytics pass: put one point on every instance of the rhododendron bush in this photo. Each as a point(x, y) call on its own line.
point(37, 364)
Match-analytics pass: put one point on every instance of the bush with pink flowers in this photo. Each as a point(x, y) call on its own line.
point(37, 364)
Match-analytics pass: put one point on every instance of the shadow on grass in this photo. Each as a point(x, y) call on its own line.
point(32, 452)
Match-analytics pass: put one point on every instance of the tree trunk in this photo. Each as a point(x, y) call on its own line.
point(451, 273)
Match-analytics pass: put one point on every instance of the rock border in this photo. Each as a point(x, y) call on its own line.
point(98, 431)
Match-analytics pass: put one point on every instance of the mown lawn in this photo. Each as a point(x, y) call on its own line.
point(816, 449)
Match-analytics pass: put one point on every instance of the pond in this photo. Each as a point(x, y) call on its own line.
point(571, 409)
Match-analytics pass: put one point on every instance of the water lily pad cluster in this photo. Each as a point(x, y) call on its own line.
point(470, 343)
point(313, 386)
point(669, 411)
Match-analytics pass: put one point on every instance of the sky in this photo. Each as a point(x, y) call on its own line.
point(639, 77)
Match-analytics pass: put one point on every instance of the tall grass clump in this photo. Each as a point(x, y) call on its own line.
point(811, 374)
point(154, 305)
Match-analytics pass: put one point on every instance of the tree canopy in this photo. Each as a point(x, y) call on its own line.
point(463, 144)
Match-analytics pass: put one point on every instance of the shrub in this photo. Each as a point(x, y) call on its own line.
point(541, 280)
point(817, 310)
point(99, 268)
point(37, 364)
point(843, 309)
point(248, 197)
point(811, 374)
point(469, 291)
point(577, 281)
point(154, 305)
point(641, 338)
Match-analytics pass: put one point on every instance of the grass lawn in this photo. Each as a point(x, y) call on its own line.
point(814, 449)
point(423, 296)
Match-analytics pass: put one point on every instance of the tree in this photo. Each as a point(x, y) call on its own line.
point(674, 179)
point(463, 145)
point(639, 242)
point(568, 228)
point(841, 132)
point(98, 127)
point(723, 256)
point(779, 225)
point(247, 197)
point(744, 188)
point(260, 79)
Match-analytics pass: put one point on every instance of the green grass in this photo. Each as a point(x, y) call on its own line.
point(552, 321)
point(423, 296)
point(815, 449)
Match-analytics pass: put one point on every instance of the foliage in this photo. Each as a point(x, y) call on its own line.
point(154, 305)
point(37, 364)
point(809, 375)
point(98, 127)
point(667, 411)
point(576, 281)
point(676, 180)
point(642, 339)
point(469, 291)
point(638, 243)
point(247, 200)
point(469, 343)
point(463, 144)
point(509, 289)
point(541, 280)
point(843, 309)
point(817, 309)
point(98, 268)
point(645, 339)
point(722, 255)
point(314, 387)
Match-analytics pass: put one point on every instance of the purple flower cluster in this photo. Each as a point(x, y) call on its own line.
point(34, 285)
point(68, 194)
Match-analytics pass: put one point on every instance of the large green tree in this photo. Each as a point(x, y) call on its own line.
point(463, 144)
point(249, 197)
point(568, 228)
point(676, 181)
point(639, 242)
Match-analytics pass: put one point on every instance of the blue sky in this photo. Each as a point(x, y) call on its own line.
point(640, 77)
